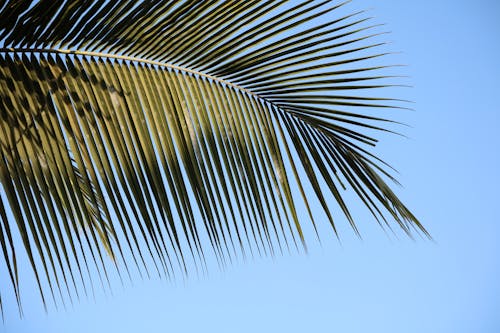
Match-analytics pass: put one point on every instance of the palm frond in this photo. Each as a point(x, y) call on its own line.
point(150, 129)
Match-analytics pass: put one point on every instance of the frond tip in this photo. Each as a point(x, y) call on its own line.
point(149, 129)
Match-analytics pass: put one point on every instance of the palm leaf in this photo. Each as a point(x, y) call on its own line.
point(160, 131)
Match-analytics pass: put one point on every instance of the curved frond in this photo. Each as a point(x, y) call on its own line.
point(156, 132)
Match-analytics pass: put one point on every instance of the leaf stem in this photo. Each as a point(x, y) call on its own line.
point(127, 58)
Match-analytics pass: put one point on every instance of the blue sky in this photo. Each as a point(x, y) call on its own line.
point(449, 169)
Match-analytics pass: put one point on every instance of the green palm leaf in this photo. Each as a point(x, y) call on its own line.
point(155, 132)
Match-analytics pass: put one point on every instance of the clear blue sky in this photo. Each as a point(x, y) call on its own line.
point(450, 171)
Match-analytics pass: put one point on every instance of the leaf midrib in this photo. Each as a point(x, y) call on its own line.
point(132, 59)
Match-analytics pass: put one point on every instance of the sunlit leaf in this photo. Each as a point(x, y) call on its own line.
point(149, 136)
